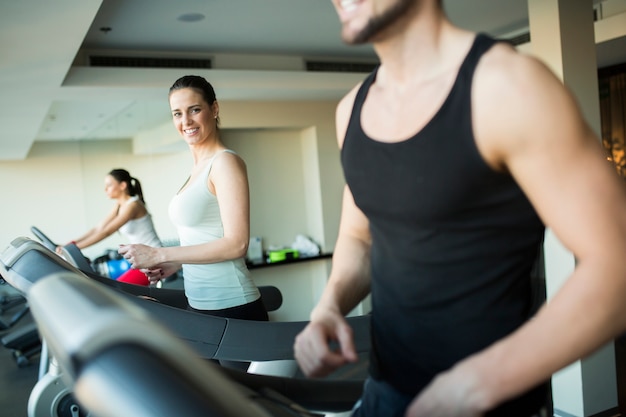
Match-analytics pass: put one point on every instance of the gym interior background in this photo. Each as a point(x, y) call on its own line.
point(277, 116)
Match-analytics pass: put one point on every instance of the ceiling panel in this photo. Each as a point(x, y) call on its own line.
point(48, 96)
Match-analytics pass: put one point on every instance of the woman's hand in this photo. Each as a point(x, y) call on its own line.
point(163, 271)
point(140, 256)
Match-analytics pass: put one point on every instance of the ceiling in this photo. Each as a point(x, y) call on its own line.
point(51, 93)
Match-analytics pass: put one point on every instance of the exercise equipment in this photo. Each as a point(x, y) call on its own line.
point(25, 262)
point(111, 264)
point(116, 267)
point(7, 303)
point(271, 296)
point(47, 242)
point(117, 358)
point(24, 344)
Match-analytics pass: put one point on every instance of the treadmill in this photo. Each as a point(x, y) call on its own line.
point(121, 361)
point(25, 342)
point(25, 262)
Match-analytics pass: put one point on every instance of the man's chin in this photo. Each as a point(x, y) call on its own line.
point(354, 39)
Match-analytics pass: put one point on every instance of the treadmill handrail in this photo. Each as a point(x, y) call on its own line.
point(94, 320)
point(211, 337)
point(72, 258)
point(16, 250)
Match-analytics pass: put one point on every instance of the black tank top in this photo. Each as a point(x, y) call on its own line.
point(453, 242)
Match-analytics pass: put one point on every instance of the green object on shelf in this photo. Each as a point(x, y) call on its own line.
point(282, 255)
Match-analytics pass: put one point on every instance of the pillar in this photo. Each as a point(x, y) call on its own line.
point(562, 35)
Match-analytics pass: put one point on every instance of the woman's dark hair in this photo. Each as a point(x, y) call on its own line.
point(197, 83)
point(132, 184)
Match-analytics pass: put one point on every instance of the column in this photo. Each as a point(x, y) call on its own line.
point(562, 35)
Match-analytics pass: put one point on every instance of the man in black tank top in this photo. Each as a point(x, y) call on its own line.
point(457, 153)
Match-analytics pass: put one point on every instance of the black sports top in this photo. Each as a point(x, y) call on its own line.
point(453, 242)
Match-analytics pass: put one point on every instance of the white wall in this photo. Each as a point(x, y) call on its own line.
point(60, 189)
point(275, 171)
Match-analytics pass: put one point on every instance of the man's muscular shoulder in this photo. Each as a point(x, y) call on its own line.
point(511, 94)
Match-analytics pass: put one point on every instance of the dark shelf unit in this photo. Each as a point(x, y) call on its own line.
point(264, 264)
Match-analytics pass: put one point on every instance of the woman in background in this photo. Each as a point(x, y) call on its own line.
point(129, 216)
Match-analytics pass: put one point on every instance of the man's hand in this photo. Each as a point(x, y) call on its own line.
point(455, 393)
point(312, 346)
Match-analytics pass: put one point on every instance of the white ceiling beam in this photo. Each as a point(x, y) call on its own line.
point(41, 39)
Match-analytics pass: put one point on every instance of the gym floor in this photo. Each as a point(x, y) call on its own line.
point(15, 383)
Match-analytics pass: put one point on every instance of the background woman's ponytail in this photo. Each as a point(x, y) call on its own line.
point(132, 184)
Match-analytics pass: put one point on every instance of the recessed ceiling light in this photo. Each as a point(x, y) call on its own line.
point(190, 17)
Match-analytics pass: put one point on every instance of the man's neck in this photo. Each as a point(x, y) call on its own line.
point(424, 48)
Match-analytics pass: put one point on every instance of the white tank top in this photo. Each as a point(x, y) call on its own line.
point(196, 214)
point(140, 230)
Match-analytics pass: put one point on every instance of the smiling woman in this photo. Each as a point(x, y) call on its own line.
point(211, 212)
